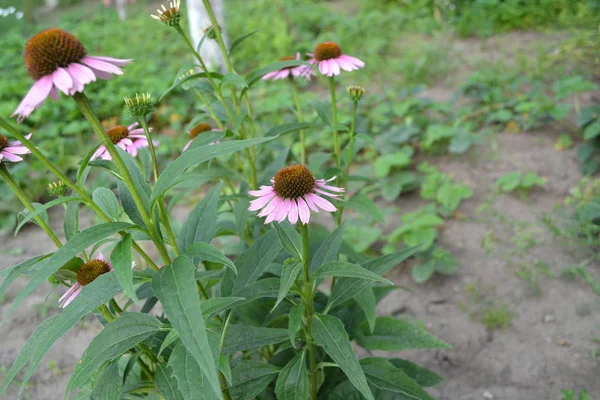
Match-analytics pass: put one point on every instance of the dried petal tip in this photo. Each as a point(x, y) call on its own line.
point(356, 92)
point(52, 49)
point(140, 105)
point(57, 189)
point(327, 51)
point(91, 270)
point(293, 181)
point(169, 15)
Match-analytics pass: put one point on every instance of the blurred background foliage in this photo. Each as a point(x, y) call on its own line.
point(405, 44)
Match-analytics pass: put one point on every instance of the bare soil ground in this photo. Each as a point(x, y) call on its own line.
point(548, 345)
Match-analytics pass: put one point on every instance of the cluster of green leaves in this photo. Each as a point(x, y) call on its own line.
point(519, 182)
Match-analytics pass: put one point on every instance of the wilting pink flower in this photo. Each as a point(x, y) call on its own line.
point(294, 193)
point(57, 60)
point(9, 150)
point(127, 138)
point(86, 274)
point(290, 72)
point(329, 58)
point(195, 131)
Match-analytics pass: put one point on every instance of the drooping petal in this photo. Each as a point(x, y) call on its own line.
point(303, 210)
point(283, 210)
point(11, 157)
point(261, 202)
point(17, 150)
point(323, 67)
point(293, 213)
point(102, 65)
point(334, 67)
point(263, 190)
point(73, 292)
point(115, 61)
point(101, 74)
point(98, 152)
point(62, 80)
point(317, 190)
point(54, 93)
point(311, 203)
point(34, 98)
point(187, 146)
point(82, 73)
point(353, 60)
point(271, 211)
point(321, 202)
point(322, 185)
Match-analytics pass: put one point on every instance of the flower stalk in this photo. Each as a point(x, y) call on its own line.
point(300, 119)
point(307, 299)
point(27, 204)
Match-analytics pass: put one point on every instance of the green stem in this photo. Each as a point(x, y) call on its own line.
point(338, 215)
point(144, 124)
point(217, 29)
point(88, 112)
point(336, 139)
point(23, 198)
point(199, 58)
point(308, 314)
point(84, 195)
point(300, 119)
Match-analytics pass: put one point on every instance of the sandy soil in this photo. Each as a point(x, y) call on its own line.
point(549, 344)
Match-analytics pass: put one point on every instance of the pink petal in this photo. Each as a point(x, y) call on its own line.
point(353, 60)
point(303, 210)
point(283, 210)
point(54, 93)
point(276, 203)
point(73, 292)
point(11, 157)
point(34, 98)
point(334, 67)
point(321, 202)
point(101, 74)
point(263, 190)
point(261, 202)
point(17, 150)
point(187, 146)
point(138, 132)
point(322, 184)
point(102, 65)
point(270, 75)
point(311, 203)
point(325, 193)
point(323, 67)
point(133, 126)
point(115, 61)
point(293, 213)
point(98, 152)
point(82, 73)
point(62, 80)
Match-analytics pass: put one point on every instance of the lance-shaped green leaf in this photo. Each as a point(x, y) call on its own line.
point(268, 287)
point(201, 224)
point(294, 321)
point(330, 334)
point(391, 334)
point(254, 261)
point(81, 241)
point(107, 201)
point(288, 128)
point(347, 288)
point(166, 383)
point(187, 78)
point(205, 251)
point(292, 383)
point(99, 292)
point(225, 368)
point(121, 260)
point(175, 287)
point(115, 339)
point(348, 270)
point(171, 337)
point(368, 304)
point(290, 239)
point(109, 385)
point(217, 304)
point(329, 249)
point(250, 378)
point(422, 376)
point(40, 209)
point(71, 222)
point(391, 381)
point(244, 337)
point(191, 380)
point(171, 174)
point(237, 41)
point(12, 273)
point(289, 273)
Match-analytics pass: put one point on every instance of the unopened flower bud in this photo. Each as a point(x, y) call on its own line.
point(140, 105)
point(356, 92)
point(57, 189)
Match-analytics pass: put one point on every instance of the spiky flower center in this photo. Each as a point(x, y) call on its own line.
point(91, 270)
point(293, 181)
point(3, 142)
point(51, 49)
point(117, 133)
point(327, 51)
point(195, 131)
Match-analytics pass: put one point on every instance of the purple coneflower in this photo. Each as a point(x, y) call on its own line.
point(57, 60)
point(127, 138)
point(329, 58)
point(86, 274)
point(290, 72)
point(195, 131)
point(294, 193)
point(9, 150)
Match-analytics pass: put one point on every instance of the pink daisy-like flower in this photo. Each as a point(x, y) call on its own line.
point(195, 131)
point(128, 138)
point(86, 274)
point(9, 150)
point(290, 72)
point(329, 58)
point(294, 193)
point(57, 60)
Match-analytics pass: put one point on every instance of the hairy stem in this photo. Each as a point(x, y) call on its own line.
point(308, 314)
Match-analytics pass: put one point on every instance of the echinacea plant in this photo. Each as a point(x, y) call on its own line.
point(225, 304)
